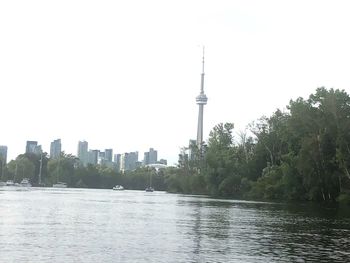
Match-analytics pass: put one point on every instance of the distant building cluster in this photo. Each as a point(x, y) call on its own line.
point(94, 157)
point(121, 162)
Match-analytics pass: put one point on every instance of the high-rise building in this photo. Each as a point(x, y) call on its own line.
point(109, 155)
point(3, 154)
point(93, 156)
point(117, 161)
point(55, 149)
point(145, 158)
point(38, 150)
point(129, 161)
point(83, 152)
point(201, 100)
point(31, 146)
point(150, 157)
point(101, 158)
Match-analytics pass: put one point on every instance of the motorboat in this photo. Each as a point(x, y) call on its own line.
point(25, 183)
point(118, 187)
point(149, 189)
point(59, 185)
point(10, 183)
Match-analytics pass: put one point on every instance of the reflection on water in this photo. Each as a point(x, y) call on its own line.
point(75, 225)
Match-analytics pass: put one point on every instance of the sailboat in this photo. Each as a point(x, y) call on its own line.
point(59, 184)
point(150, 188)
point(40, 184)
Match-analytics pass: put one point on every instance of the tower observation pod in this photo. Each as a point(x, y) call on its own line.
point(201, 100)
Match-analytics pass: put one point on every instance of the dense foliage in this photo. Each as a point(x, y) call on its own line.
point(68, 169)
point(302, 153)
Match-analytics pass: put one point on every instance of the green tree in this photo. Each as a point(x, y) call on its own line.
point(21, 168)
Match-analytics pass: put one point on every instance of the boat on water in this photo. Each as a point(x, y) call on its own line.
point(10, 183)
point(25, 183)
point(149, 189)
point(2, 184)
point(59, 185)
point(118, 187)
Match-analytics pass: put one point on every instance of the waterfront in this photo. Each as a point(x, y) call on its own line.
point(85, 225)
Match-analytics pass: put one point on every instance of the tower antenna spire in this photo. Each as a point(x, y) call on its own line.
point(203, 61)
point(202, 75)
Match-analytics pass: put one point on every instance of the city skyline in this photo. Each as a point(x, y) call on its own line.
point(125, 74)
point(84, 153)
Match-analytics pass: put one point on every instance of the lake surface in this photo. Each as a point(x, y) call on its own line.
point(84, 225)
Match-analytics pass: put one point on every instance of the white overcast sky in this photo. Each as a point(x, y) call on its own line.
point(125, 74)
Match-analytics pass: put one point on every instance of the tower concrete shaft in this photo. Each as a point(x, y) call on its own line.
point(201, 100)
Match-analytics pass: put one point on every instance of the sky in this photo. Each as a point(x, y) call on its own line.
point(125, 74)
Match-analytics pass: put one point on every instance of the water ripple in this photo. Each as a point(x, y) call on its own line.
point(75, 225)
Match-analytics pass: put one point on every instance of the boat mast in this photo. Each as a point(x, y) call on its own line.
point(58, 168)
point(41, 166)
point(15, 176)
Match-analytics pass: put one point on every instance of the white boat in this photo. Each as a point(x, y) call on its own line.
point(118, 187)
point(60, 185)
point(10, 183)
point(2, 184)
point(149, 189)
point(25, 183)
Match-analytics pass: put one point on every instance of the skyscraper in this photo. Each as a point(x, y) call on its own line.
point(93, 156)
point(55, 149)
point(83, 152)
point(128, 161)
point(109, 155)
point(150, 157)
point(3, 154)
point(201, 100)
point(117, 161)
point(31, 146)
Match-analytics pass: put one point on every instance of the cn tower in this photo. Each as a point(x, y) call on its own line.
point(201, 100)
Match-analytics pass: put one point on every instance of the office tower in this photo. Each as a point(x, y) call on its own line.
point(129, 161)
point(93, 156)
point(109, 155)
point(3, 154)
point(31, 146)
point(150, 157)
point(117, 161)
point(83, 152)
point(102, 158)
point(38, 150)
point(55, 149)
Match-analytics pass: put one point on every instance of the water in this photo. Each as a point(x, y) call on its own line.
point(84, 225)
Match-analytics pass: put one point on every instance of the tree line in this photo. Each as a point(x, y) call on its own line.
point(301, 153)
point(69, 169)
